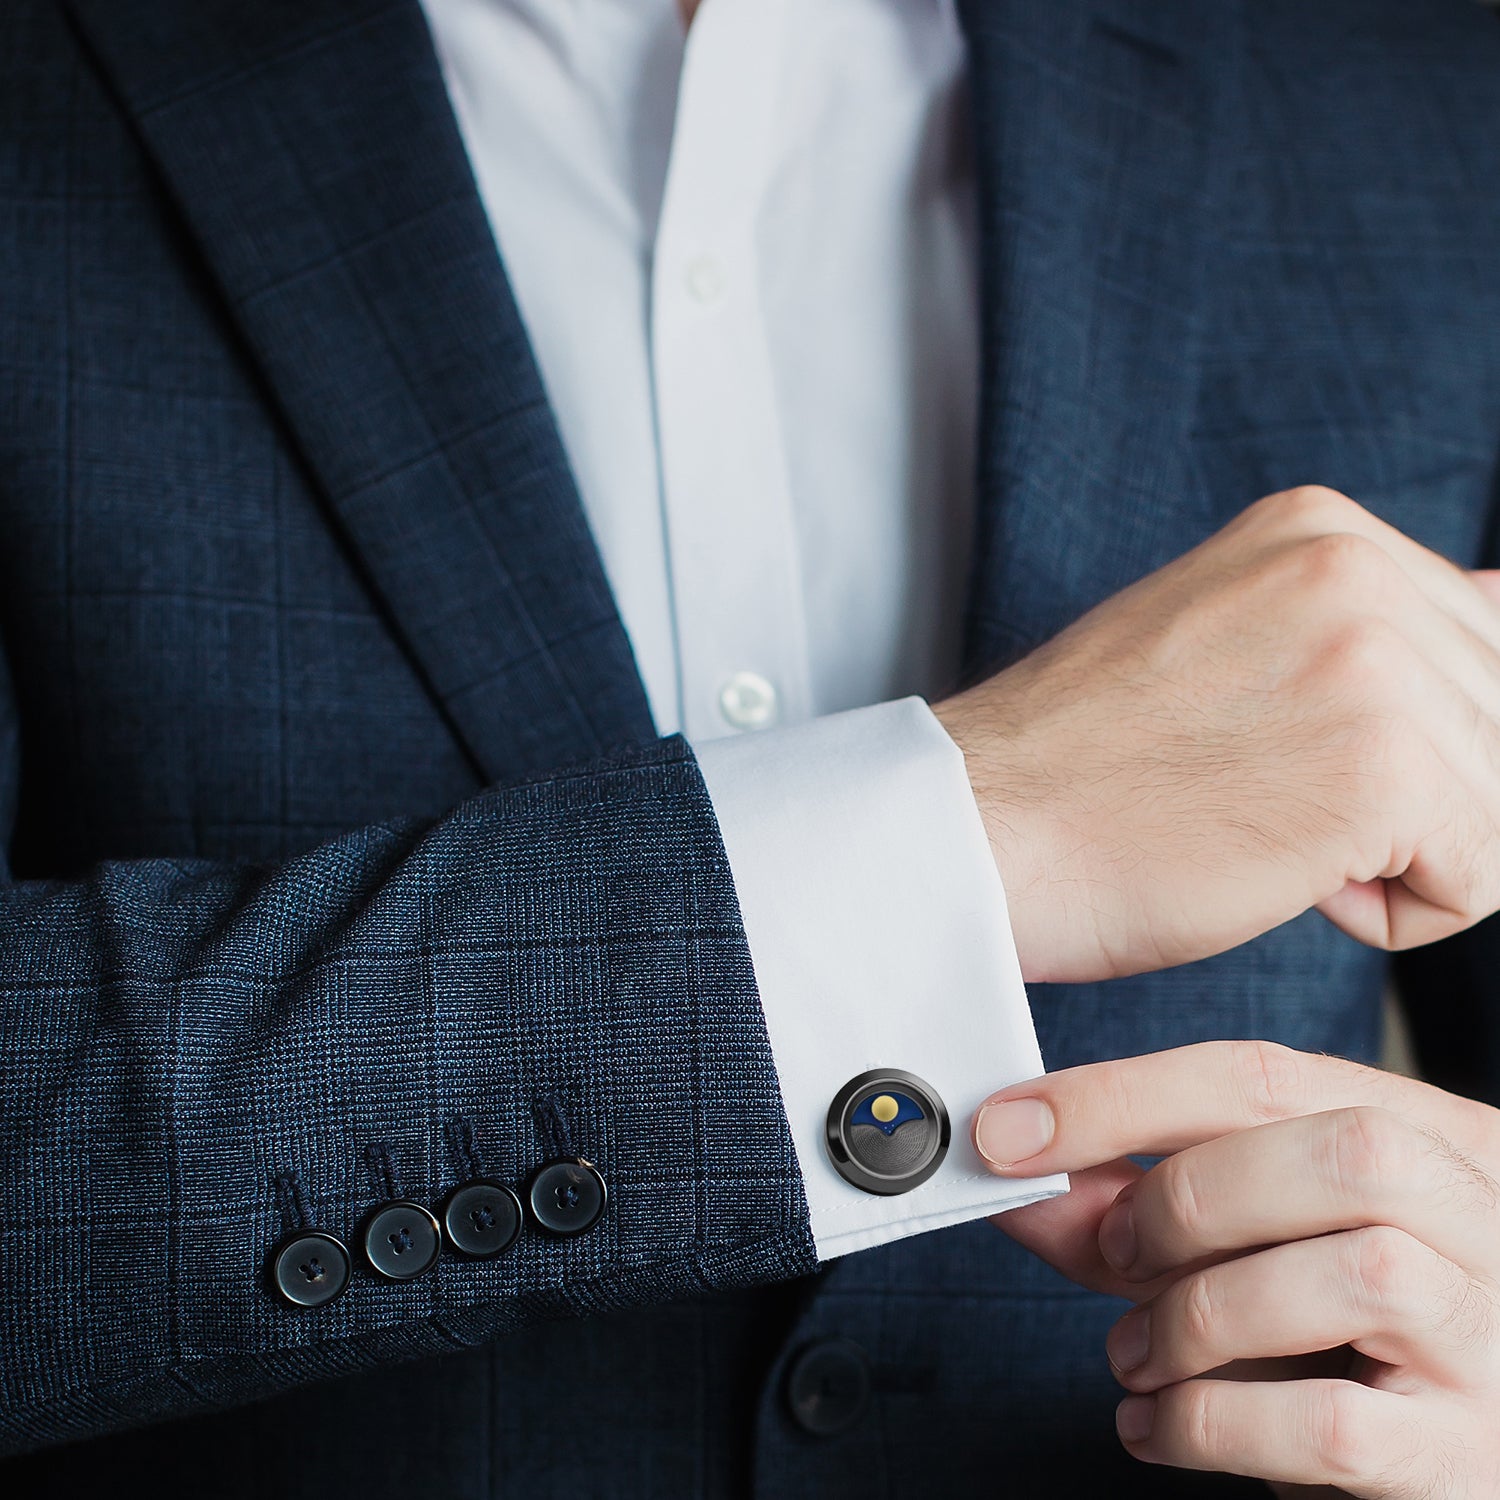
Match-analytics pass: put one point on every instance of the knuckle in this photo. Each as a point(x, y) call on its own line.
point(1199, 1313)
point(1357, 680)
point(1194, 1418)
point(1204, 1423)
point(1344, 565)
point(1384, 1270)
point(1371, 1152)
point(1363, 656)
point(1306, 504)
point(1272, 1078)
point(1341, 1431)
point(1182, 1204)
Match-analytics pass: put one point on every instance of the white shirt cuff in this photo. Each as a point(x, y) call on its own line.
point(880, 939)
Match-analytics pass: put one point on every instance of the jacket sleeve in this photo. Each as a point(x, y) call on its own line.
point(200, 1058)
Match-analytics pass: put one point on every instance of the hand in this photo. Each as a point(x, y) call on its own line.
point(1303, 711)
point(1306, 1207)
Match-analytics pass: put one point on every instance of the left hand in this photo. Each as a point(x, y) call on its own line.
point(1305, 1204)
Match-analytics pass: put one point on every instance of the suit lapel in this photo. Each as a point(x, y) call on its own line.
point(1093, 136)
point(312, 151)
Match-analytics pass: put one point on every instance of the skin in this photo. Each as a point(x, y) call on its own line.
point(1311, 1312)
point(1316, 1261)
point(1303, 712)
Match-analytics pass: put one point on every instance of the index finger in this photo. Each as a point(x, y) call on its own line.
point(1163, 1102)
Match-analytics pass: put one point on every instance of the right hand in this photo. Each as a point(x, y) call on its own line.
point(1302, 711)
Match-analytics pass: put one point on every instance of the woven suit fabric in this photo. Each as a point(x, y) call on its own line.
point(342, 861)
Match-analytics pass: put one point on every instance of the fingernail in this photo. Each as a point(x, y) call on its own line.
point(1133, 1418)
point(1013, 1131)
point(1117, 1235)
point(1129, 1341)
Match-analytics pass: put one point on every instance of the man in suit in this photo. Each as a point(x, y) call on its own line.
point(378, 984)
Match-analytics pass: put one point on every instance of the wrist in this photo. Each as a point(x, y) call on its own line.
point(1011, 798)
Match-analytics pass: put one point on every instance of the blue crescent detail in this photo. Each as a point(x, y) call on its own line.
point(906, 1110)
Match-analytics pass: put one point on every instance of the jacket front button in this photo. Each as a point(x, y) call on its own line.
point(481, 1218)
point(566, 1196)
point(309, 1269)
point(828, 1387)
point(401, 1240)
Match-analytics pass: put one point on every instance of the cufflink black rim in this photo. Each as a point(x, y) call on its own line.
point(416, 1211)
point(871, 1088)
point(450, 1203)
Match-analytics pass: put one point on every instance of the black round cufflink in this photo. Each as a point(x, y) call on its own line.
point(888, 1132)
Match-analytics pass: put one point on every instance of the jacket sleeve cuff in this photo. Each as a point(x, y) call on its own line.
point(878, 930)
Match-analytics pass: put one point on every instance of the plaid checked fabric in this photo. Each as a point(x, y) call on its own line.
point(264, 912)
point(337, 830)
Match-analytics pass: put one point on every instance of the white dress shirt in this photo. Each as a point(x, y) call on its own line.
point(745, 260)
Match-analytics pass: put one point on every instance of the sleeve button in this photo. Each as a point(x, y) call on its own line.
point(309, 1269)
point(401, 1240)
point(481, 1218)
point(566, 1196)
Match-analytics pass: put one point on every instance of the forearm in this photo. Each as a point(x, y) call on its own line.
point(558, 966)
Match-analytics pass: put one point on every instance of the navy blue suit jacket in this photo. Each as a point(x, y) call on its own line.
point(336, 831)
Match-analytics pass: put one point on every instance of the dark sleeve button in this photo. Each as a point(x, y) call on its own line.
point(566, 1196)
point(888, 1131)
point(828, 1387)
point(401, 1240)
point(309, 1269)
point(481, 1218)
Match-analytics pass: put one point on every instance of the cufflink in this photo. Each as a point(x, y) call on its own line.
point(888, 1131)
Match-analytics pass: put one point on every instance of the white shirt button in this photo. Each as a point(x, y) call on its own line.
point(748, 701)
point(705, 279)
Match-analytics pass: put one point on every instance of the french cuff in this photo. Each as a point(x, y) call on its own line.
point(877, 926)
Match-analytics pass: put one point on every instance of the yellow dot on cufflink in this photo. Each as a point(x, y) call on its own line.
point(884, 1108)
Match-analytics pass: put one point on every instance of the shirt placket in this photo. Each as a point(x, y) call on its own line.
point(732, 543)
